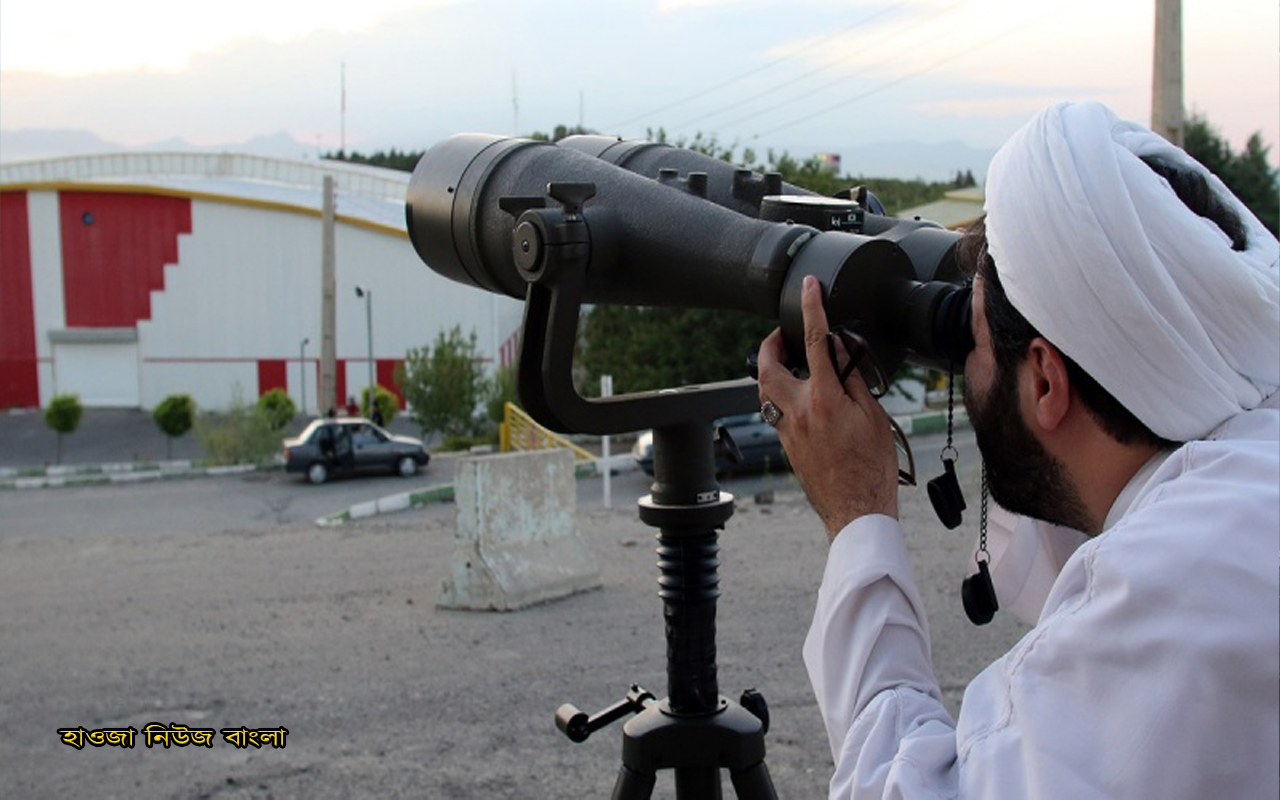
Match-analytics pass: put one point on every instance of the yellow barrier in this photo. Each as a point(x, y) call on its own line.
point(520, 432)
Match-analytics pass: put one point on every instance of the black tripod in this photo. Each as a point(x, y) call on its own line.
point(695, 730)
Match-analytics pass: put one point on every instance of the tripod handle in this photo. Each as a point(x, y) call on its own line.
point(574, 722)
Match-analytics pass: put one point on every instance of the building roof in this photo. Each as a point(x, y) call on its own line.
point(367, 196)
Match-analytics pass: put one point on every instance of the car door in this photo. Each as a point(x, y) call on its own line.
point(372, 450)
point(344, 457)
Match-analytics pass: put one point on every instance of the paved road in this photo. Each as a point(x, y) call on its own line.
point(110, 435)
point(263, 500)
point(218, 603)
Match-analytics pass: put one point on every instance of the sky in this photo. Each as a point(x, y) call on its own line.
point(800, 76)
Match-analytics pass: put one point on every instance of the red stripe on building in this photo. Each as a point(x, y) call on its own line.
point(114, 250)
point(272, 374)
point(19, 380)
point(340, 386)
point(387, 377)
point(509, 351)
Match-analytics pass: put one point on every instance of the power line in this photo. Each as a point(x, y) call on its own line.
point(742, 76)
point(900, 79)
point(823, 68)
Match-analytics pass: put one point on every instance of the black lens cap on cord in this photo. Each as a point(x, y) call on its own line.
point(979, 596)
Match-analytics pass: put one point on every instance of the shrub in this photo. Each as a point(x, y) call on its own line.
point(387, 402)
point(277, 408)
point(174, 416)
point(63, 415)
point(241, 435)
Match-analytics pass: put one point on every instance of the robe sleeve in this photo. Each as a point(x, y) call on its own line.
point(867, 653)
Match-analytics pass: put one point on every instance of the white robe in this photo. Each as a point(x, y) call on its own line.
point(1152, 672)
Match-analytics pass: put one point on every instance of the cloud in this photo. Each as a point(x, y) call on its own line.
point(805, 76)
point(84, 37)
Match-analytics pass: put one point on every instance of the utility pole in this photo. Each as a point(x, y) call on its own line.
point(515, 105)
point(328, 389)
point(367, 294)
point(302, 371)
point(1166, 81)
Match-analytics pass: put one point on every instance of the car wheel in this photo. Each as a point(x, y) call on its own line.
point(407, 467)
point(317, 473)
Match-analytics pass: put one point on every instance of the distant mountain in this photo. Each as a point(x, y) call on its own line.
point(30, 144)
point(33, 143)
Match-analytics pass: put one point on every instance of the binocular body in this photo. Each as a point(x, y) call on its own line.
point(653, 225)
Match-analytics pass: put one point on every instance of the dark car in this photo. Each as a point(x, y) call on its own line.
point(756, 440)
point(350, 445)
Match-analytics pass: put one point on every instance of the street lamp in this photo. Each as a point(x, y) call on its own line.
point(367, 294)
point(302, 371)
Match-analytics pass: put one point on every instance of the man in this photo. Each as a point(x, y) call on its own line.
point(1122, 385)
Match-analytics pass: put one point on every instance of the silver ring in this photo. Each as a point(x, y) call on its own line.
point(770, 412)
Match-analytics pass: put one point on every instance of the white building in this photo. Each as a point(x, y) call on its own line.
point(125, 278)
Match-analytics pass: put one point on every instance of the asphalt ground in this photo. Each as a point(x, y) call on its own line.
point(223, 622)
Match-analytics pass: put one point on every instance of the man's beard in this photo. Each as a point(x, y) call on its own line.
point(1023, 477)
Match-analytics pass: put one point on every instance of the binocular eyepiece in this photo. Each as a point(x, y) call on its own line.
point(652, 225)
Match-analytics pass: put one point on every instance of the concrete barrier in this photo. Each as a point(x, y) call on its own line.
point(516, 542)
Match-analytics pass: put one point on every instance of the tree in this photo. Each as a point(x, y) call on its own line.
point(175, 415)
point(445, 384)
point(558, 133)
point(658, 348)
point(1247, 174)
point(964, 179)
point(501, 390)
point(63, 415)
point(388, 404)
point(277, 408)
point(390, 159)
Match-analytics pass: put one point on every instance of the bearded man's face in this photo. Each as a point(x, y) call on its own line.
point(1023, 477)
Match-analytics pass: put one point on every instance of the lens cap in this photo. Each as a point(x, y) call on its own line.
point(979, 596)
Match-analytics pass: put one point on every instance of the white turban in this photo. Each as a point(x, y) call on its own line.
point(1100, 255)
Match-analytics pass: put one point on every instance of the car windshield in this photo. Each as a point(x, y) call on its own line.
point(364, 432)
point(310, 430)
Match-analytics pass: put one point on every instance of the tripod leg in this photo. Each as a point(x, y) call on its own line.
point(753, 783)
point(697, 783)
point(633, 784)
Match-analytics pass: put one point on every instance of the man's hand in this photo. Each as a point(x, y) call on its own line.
point(838, 438)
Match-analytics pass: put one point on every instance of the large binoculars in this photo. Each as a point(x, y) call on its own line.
point(647, 224)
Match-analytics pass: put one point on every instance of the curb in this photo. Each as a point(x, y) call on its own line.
point(441, 493)
point(100, 474)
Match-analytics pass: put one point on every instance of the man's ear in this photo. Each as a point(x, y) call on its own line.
point(1049, 386)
